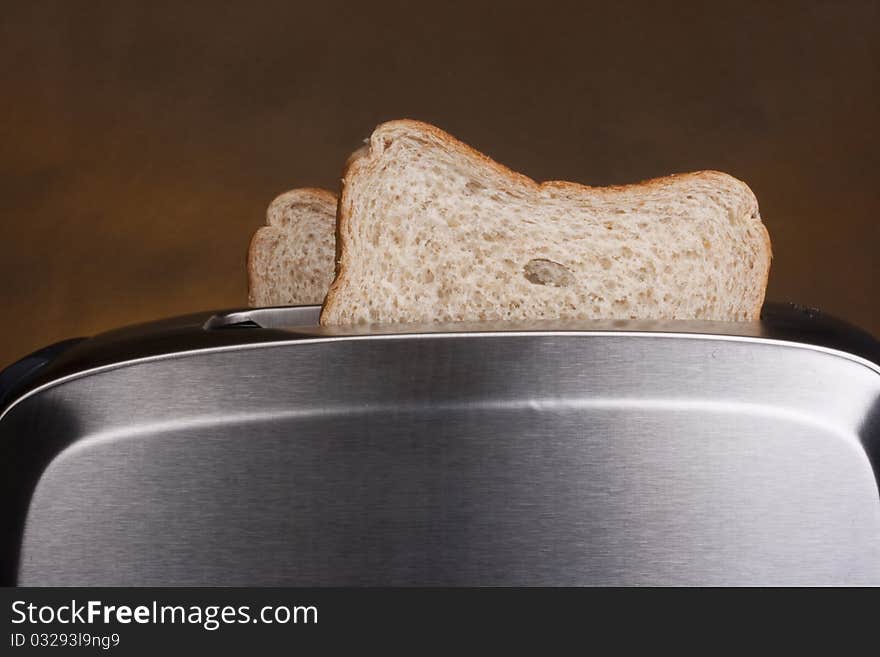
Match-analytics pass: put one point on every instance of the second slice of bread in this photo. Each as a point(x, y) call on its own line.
point(431, 230)
point(291, 258)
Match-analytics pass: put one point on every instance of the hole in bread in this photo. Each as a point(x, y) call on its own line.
point(547, 272)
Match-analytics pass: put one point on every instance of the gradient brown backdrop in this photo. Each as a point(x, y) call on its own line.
point(141, 142)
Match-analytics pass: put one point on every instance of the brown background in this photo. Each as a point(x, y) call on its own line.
point(141, 142)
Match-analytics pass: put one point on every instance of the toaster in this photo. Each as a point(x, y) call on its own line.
point(257, 448)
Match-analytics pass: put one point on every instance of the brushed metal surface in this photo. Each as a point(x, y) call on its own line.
point(485, 459)
point(256, 328)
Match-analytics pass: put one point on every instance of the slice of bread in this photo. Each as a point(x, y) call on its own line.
point(431, 230)
point(291, 258)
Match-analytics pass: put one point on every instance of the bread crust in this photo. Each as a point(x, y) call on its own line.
point(257, 246)
point(385, 133)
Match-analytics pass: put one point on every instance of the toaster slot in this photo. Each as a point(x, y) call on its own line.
point(283, 317)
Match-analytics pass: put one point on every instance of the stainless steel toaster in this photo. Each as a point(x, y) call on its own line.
point(254, 447)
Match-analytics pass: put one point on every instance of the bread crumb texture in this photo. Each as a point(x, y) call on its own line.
point(291, 258)
point(432, 230)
